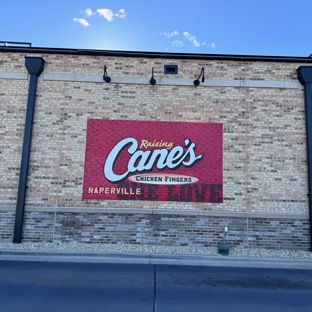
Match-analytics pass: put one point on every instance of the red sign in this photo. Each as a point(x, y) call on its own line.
point(153, 160)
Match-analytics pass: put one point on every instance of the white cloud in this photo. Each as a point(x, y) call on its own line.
point(212, 45)
point(109, 14)
point(89, 12)
point(82, 21)
point(177, 43)
point(168, 35)
point(191, 39)
point(106, 13)
point(121, 13)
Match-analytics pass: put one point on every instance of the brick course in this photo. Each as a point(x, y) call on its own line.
point(157, 229)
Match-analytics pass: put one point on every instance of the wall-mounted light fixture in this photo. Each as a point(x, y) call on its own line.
point(105, 77)
point(152, 80)
point(202, 74)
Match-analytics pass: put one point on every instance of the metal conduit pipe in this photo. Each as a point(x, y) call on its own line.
point(34, 66)
point(305, 77)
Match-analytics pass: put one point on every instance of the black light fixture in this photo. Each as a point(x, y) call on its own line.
point(152, 80)
point(105, 77)
point(202, 74)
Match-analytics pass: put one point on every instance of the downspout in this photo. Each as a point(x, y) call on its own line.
point(34, 66)
point(305, 77)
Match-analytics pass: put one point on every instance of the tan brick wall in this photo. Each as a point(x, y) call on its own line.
point(264, 168)
point(13, 102)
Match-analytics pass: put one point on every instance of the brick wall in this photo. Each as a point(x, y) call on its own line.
point(264, 148)
point(161, 229)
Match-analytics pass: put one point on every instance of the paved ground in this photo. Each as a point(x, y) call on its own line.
point(77, 286)
point(152, 258)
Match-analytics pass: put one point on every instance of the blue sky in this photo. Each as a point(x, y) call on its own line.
point(248, 27)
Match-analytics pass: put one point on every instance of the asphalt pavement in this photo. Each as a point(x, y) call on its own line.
point(78, 286)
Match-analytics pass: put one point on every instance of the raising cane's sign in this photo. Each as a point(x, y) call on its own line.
point(153, 160)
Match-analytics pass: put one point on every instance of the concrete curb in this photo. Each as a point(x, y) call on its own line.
point(150, 258)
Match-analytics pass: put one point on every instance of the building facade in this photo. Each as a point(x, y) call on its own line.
point(246, 119)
